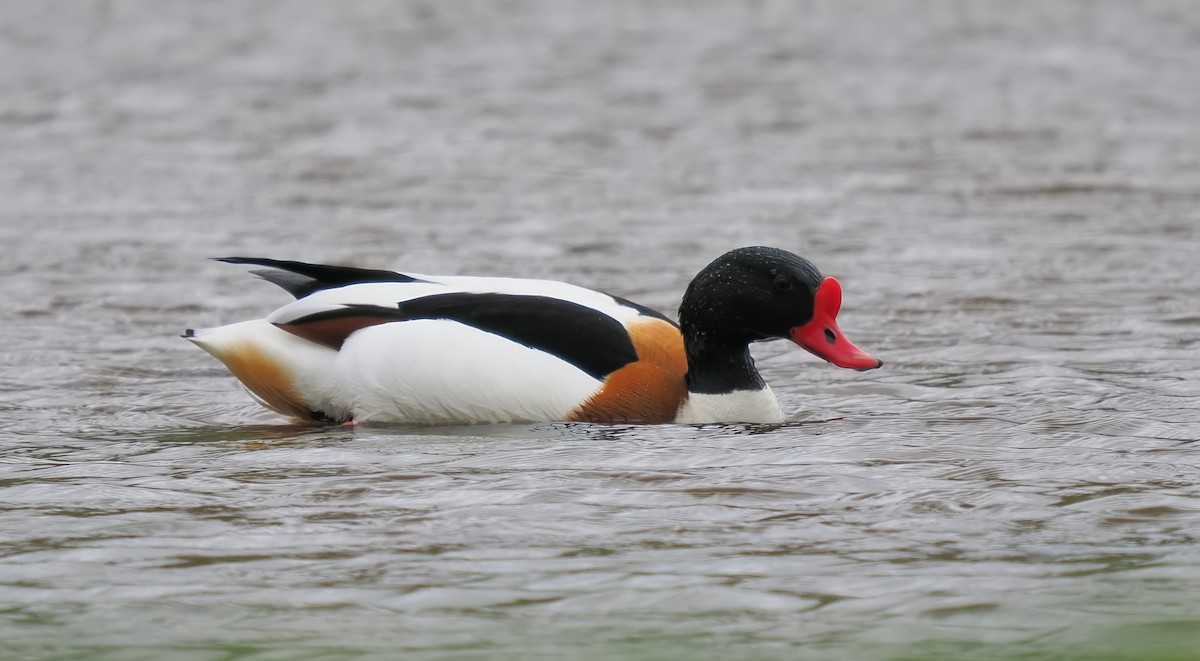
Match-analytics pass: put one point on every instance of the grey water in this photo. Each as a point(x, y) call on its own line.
point(1009, 193)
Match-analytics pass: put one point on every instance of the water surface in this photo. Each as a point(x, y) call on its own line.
point(1009, 193)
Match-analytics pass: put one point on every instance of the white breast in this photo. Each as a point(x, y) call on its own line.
point(738, 406)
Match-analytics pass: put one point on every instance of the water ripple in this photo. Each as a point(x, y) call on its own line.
point(1020, 481)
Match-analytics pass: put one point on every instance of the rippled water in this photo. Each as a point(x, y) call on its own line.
point(1010, 193)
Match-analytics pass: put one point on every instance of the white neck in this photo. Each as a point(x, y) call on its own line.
point(737, 406)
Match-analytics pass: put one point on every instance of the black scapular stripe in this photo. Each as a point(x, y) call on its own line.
point(590, 340)
point(301, 279)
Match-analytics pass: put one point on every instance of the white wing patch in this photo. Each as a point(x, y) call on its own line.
point(388, 294)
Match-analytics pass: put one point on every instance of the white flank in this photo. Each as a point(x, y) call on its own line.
point(437, 372)
point(738, 406)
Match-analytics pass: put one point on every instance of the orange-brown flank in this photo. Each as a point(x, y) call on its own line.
point(648, 390)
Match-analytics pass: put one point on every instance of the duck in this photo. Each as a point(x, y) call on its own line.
point(362, 346)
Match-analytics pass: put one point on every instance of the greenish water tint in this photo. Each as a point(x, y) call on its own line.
point(1009, 193)
point(1166, 641)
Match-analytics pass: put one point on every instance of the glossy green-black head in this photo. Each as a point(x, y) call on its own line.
point(761, 293)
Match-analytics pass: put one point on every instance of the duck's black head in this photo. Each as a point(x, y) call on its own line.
point(761, 293)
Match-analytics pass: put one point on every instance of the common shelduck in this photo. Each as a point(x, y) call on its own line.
point(362, 345)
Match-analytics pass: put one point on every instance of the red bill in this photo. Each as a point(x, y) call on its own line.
point(822, 337)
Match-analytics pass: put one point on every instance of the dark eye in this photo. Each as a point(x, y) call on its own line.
point(783, 284)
